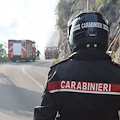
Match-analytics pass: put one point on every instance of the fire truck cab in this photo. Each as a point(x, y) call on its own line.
point(51, 52)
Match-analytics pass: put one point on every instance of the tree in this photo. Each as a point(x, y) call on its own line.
point(2, 50)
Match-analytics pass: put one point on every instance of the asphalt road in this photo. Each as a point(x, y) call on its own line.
point(21, 87)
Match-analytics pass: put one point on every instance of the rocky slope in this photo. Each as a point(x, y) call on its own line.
point(109, 8)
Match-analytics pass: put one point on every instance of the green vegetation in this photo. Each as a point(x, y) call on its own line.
point(62, 12)
point(55, 61)
point(3, 53)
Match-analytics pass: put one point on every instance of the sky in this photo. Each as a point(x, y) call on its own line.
point(29, 19)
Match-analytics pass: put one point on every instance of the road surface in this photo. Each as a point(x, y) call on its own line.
point(21, 87)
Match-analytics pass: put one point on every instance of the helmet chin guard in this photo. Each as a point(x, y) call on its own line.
point(88, 30)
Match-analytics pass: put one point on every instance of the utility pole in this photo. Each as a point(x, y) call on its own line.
point(88, 5)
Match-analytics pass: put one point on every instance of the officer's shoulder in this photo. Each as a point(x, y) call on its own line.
point(65, 60)
point(114, 63)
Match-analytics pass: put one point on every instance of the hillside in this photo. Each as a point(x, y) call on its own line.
point(66, 8)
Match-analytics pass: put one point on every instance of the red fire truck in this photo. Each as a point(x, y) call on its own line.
point(51, 52)
point(21, 50)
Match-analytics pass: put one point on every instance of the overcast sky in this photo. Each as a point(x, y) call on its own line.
point(28, 19)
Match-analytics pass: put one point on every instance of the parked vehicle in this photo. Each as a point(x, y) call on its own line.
point(51, 52)
point(21, 50)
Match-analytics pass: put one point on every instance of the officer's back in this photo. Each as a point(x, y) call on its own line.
point(86, 86)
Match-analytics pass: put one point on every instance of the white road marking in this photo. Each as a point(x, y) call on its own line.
point(34, 80)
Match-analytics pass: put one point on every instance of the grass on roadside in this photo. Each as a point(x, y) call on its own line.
point(55, 61)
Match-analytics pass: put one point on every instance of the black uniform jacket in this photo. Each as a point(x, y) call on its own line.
point(86, 86)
